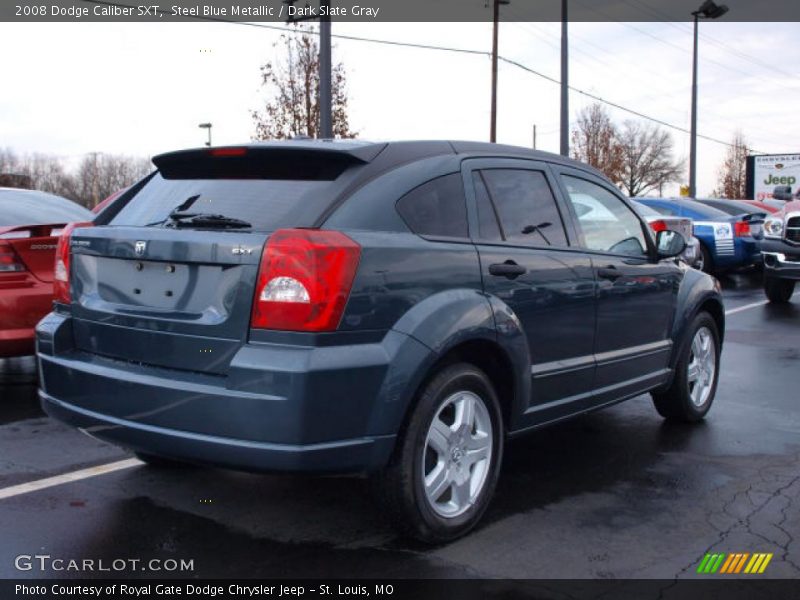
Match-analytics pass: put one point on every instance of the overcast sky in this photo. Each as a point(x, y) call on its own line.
point(142, 88)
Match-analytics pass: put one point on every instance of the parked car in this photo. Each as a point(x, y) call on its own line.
point(760, 206)
point(738, 207)
point(726, 241)
point(755, 215)
point(103, 203)
point(397, 309)
point(780, 246)
point(30, 223)
point(682, 225)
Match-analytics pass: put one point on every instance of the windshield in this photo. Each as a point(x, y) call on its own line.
point(265, 204)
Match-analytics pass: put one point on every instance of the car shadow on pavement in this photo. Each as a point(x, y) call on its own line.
point(18, 399)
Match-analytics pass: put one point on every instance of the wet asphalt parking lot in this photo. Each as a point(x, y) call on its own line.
point(616, 493)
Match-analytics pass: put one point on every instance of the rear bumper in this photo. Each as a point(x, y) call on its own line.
point(746, 253)
point(16, 342)
point(355, 455)
point(20, 309)
point(280, 408)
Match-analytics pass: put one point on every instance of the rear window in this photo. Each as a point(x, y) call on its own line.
point(267, 204)
point(22, 207)
point(436, 208)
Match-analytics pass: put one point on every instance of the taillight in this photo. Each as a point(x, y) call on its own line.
point(741, 228)
point(304, 280)
point(10, 262)
point(61, 270)
point(658, 225)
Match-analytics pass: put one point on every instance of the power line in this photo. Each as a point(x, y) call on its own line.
point(436, 47)
point(705, 59)
point(663, 17)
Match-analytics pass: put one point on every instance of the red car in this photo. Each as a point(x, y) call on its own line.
point(30, 223)
point(767, 208)
point(100, 206)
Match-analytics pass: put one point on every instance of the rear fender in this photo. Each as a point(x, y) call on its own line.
point(440, 324)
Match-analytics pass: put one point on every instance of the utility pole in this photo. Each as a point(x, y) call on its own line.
point(534, 136)
point(693, 135)
point(325, 93)
point(564, 80)
point(325, 102)
point(95, 199)
point(495, 30)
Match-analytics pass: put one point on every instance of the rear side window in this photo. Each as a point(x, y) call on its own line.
point(267, 204)
point(526, 207)
point(436, 208)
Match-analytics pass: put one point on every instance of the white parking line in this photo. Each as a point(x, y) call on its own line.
point(41, 484)
point(745, 307)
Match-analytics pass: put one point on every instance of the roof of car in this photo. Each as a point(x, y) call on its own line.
point(396, 152)
point(690, 204)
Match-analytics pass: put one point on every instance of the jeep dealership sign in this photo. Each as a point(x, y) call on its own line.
point(766, 171)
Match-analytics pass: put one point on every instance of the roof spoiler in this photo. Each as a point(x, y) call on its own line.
point(277, 160)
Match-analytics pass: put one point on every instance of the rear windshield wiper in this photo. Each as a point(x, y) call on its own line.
point(182, 219)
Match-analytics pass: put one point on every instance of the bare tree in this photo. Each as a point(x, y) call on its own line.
point(292, 84)
point(594, 141)
point(731, 176)
point(647, 158)
point(35, 171)
point(99, 175)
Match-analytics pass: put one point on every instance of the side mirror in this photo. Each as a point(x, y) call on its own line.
point(782, 192)
point(669, 243)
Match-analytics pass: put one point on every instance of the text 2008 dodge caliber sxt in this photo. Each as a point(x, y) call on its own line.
point(395, 309)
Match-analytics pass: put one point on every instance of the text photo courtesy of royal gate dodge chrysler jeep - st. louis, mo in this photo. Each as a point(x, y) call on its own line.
point(481, 299)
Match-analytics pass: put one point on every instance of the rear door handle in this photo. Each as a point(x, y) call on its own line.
point(609, 273)
point(508, 269)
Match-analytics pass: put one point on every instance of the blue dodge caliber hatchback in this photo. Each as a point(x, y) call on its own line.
point(395, 309)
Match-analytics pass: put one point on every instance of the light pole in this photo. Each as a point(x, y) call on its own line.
point(564, 145)
point(208, 127)
point(707, 10)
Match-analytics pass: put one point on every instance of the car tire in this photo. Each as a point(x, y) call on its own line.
point(160, 462)
point(694, 383)
point(432, 488)
point(704, 262)
point(778, 291)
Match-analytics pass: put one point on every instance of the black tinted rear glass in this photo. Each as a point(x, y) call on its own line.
point(23, 207)
point(436, 208)
point(264, 203)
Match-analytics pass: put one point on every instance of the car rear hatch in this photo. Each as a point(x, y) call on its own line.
point(35, 246)
point(177, 292)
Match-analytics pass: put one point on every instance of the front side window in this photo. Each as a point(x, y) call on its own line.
point(436, 208)
point(526, 207)
point(608, 225)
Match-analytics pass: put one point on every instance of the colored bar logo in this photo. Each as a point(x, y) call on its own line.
point(734, 563)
